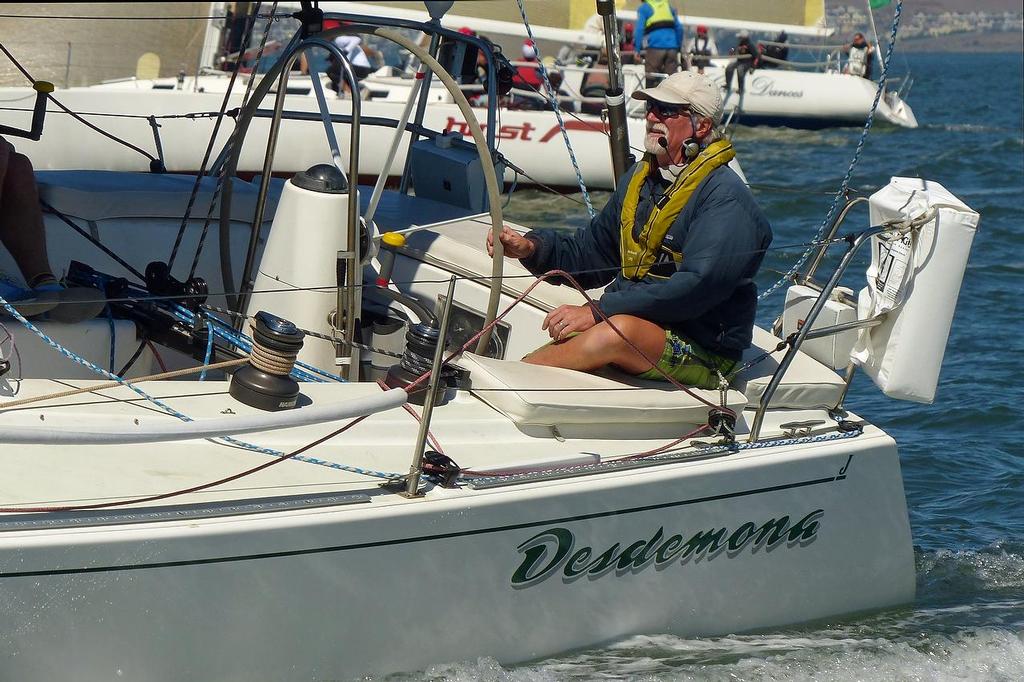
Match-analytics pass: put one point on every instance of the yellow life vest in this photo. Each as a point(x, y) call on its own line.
point(639, 253)
point(662, 16)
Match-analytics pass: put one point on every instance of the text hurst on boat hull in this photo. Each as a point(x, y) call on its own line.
point(383, 586)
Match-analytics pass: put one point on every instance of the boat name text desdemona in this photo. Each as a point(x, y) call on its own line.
point(551, 551)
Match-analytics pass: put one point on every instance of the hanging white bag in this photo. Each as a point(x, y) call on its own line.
point(914, 279)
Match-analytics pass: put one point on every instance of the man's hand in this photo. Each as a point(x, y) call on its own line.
point(515, 244)
point(566, 319)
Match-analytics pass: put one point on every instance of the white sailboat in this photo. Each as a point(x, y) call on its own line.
point(175, 530)
point(531, 140)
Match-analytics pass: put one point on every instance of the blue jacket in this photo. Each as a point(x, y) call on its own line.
point(659, 38)
point(710, 296)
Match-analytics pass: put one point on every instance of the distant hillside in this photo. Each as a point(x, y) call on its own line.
point(965, 42)
point(935, 6)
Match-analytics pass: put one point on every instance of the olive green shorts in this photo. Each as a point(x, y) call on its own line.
point(688, 363)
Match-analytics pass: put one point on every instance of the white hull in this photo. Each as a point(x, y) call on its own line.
point(380, 585)
point(530, 139)
point(304, 571)
point(797, 99)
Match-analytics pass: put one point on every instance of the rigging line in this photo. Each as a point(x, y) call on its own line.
point(550, 189)
point(232, 140)
point(553, 100)
point(53, 99)
point(209, 148)
point(145, 297)
point(17, 64)
point(96, 242)
point(133, 18)
point(844, 187)
point(791, 190)
point(102, 114)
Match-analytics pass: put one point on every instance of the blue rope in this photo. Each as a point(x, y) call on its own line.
point(209, 349)
point(841, 193)
point(553, 100)
point(301, 371)
point(172, 411)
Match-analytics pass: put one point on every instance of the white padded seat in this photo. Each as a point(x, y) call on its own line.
point(106, 195)
point(807, 384)
point(549, 401)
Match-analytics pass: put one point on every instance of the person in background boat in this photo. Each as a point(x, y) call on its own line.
point(22, 232)
point(744, 62)
point(700, 48)
point(774, 52)
point(860, 53)
point(658, 23)
point(528, 77)
point(355, 52)
point(626, 53)
point(678, 246)
point(595, 84)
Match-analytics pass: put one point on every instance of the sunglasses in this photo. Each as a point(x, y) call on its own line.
point(663, 110)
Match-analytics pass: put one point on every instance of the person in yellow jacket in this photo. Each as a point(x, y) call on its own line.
point(658, 25)
point(678, 246)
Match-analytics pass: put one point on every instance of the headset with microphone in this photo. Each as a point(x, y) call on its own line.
point(690, 147)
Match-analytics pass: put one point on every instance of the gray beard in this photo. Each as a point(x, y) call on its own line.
point(652, 147)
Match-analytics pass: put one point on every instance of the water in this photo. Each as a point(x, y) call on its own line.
point(963, 461)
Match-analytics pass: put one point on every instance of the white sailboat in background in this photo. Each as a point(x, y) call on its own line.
point(531, 140)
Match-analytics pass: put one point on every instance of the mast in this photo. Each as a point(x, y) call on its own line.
point(874, 31)
point(614, 97)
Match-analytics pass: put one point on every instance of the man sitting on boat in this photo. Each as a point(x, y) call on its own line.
point(744, 61)
point(22, 232)
point(678, 245)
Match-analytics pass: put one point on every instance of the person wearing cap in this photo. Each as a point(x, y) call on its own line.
point(742, 62)
point(658, 23)
point(626, 53)
point(700, 48)
point(528, 75)
point(676, 247)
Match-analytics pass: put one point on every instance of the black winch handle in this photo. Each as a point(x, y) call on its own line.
point(43, 90)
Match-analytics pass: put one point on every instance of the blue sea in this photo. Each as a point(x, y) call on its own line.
point(962, 457)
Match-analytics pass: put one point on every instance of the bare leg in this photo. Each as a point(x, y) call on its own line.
point(21, 219)
point(600, 346)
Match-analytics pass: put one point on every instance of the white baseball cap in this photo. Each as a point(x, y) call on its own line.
point(687, 87)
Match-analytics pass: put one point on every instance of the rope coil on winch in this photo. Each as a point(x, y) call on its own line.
point(272, 361)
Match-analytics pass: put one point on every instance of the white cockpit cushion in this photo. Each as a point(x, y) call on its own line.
point(550, 401)
point(105, 195)
point(807, 384)
point(462, 246)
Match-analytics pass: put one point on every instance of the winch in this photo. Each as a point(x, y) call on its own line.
point(420, 344)
point(265, 383)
